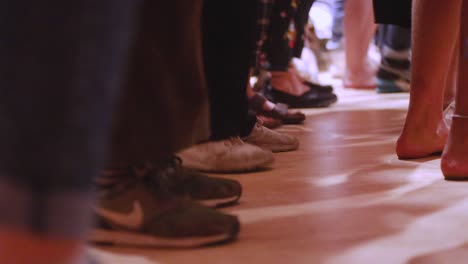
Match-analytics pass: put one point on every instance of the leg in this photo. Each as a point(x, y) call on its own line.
point(228, 42)
point(394, 69)
point(300, 21)
point(64, 61)
point(165, 86)
point(359, 28)
point(287, 86)
point(164, 104)
point(454, 159)
point(338, 16)
point(337, 25)
point(424, 132)
point(279, 47)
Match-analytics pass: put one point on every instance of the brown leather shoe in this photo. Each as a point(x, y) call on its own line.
point(279, 112)
point(269, 122)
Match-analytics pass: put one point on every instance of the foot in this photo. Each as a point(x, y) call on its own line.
point(271, 140)
point(417, 141)
point(364, 78)
point(226, 156)
point(200, 188)
point(140, 212)
point(185, 183)
point(311, 99)
point(288, 82)
point(270, 122)
point(319, 87)
point(279, 112)
point(454, 161)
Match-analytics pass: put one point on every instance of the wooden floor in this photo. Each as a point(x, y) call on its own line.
point(343, 198)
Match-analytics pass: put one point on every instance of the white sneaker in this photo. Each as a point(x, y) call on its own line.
point(271, 140)
point(231, 155)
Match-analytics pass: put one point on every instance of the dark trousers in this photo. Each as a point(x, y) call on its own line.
point(395, 37)
point(395, 12)
point(228, 29)
point(60, 70)
point(279, 49)
point(164, 106)
point(62, 66)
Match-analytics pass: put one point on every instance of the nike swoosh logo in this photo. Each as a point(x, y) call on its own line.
point(132, 220)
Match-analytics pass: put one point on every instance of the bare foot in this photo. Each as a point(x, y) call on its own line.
point(454, 162)
point(364, 78)
point(417, 141)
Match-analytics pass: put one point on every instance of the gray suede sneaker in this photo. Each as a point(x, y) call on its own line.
point(271, 140)
point(226, 156)
point(206, 190)
point(137, 211)
point(185, 183)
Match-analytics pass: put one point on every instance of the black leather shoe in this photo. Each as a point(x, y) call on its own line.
point(319, 87)
point(311, 99)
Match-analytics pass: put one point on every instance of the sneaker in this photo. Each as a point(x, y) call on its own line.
point(392, 79)
point(206, 190)
point(271, 140)
point(392, 86)
point(226, 156)
point(137, 211)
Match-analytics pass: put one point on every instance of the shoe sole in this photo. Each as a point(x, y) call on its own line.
point(279, 148)
point(131, 239)
point(219, 202)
